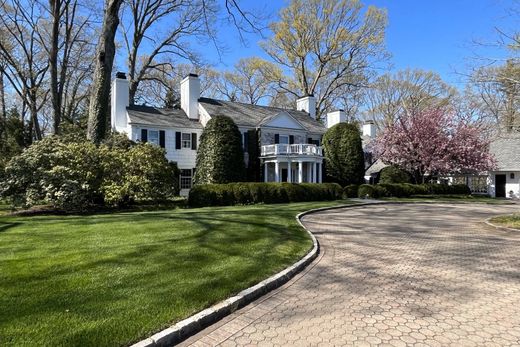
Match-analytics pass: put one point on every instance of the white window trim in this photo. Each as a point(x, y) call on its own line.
point(284, 136)
point(184, 179)
point(149, 140)
point(185, 141)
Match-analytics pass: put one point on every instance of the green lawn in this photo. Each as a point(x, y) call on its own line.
point(511, 221)
point(116, 278)
point(4, 208)
point(463, 199)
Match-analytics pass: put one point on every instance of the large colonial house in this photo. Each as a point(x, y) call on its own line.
point(290, 139)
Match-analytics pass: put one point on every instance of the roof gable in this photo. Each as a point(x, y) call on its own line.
point(282, 120)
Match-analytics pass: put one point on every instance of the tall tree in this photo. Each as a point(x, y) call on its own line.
point(329, 47)
point(251, 81)
point(106, 49)
point(160, 28)
point(410, 90)
point(23, 54)
point(67, 49)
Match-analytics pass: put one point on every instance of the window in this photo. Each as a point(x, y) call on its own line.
point(186, 140)
point(284, 139)
point(186, 177)
point(512, 175)
point(153, 137)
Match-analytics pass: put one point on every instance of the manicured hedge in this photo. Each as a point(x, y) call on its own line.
point(254, 193)
point(404, 190)
point(351, 191)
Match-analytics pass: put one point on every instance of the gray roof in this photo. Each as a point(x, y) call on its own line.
point(377, 166)
point(506, 149)
point(248, 115)
point(161, 117)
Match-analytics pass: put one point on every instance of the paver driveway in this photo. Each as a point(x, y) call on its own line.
point(392, 274)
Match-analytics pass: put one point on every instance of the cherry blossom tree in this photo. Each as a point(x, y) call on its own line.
point(434, 142)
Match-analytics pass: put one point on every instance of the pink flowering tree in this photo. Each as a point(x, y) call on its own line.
point(434, 142)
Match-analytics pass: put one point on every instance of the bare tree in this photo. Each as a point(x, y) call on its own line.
point(68, 48)
point(22, 52)
point(100, 94)
point(407, 90)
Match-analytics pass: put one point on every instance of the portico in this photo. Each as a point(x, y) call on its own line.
point(300, 163)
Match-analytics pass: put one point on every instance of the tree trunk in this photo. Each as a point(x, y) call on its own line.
point(55, 8)
point(100, 97)
point(3, 115)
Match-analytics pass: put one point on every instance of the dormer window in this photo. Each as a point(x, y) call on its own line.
point(153, 137)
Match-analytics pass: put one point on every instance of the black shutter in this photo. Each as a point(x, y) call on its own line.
point(276, 138)
point(194, 141)
point(178, 140)
point(246, 141)
point(310, 141)
point(144, 135)
point(291, 139)
point(162, 138)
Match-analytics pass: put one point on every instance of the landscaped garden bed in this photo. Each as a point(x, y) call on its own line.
point(114, 279)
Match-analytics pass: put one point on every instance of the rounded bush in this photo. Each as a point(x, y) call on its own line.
point(393, 174)
point(351, 191)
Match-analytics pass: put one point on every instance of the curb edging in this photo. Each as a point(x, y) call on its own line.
point(487, 221)
point(199, 321)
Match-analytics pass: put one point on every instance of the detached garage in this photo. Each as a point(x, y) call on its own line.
point(504, 182)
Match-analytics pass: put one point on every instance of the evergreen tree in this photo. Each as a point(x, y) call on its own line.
point(344, 157)
point(220, 157)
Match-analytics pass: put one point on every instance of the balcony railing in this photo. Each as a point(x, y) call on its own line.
point(298, 149)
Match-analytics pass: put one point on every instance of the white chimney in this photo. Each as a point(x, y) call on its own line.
point(307, 104)
point(336, 117)
point(369, 129)
point(190, 94)
point(120, 101)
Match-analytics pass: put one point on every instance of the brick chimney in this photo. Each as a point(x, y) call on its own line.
point(369, 129)
point(336, 117)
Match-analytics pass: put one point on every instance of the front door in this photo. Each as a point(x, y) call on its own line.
point(284, 175)
point(500, 186)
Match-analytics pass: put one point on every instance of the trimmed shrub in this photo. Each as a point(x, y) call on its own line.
point(344, 156)
point(254, 193)
point(220, 157)
point(351, 191)
point(393, 174)
point(404, 190)
point(444, 189)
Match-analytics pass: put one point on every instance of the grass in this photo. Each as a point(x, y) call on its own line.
point(509, 221)
point(463, 199)
point(114, 279)
point(4, 208)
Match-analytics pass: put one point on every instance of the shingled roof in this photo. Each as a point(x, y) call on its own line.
point(248, 115)
point(161, 117)
point(506, 149)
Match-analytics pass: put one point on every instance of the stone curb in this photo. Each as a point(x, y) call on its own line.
point(499, 227)
point(192, 325)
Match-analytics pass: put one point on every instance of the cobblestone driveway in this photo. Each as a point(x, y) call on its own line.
point(415, 274)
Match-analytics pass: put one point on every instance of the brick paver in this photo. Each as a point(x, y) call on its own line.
point(394, 275)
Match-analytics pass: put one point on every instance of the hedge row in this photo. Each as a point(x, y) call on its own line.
point(403, 190)
point(254, 193)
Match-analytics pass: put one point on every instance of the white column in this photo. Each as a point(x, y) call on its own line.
point(276, 171)
point(309, 172)
point(300, 171)
point(266, 172)
point(289, 173)
point(320, 169)
point(313, 172)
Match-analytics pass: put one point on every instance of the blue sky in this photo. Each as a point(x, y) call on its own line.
point(431, 35)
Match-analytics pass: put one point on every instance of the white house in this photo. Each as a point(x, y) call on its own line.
point(290, 140)
point(505, 180)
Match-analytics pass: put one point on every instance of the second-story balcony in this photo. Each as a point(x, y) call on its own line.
point(291, 150)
